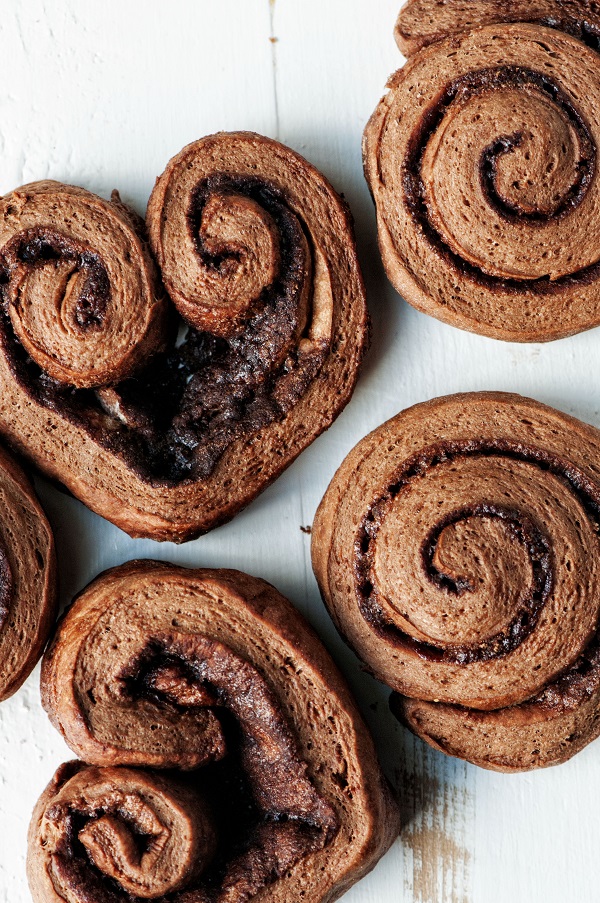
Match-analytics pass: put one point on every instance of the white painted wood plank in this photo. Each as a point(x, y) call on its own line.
point(102, 94)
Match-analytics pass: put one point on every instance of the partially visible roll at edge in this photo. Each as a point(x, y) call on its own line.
point(481, 159)
point(28, 580)
point(421, 22)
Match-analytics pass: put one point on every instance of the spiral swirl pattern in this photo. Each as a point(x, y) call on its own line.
point(80, 288)
point(150, 835)
point(214, 674)
point(27, 577)
point(457, 551)
point(482, 162)
point(260, 354)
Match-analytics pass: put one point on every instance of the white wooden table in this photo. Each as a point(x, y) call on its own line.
point(102, 94)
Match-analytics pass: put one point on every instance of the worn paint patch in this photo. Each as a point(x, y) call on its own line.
point(438, 805)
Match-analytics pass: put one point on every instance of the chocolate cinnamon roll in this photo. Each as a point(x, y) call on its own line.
point(79, 287)
point(27, 577)
point(482, 160)
point(208, 406)
point(457, 551)
point(421, 22)
point(215, 675)
point(151, 834)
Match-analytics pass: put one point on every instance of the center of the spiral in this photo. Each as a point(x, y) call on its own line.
point(473, 573)
point(456, 557)
point(536, 171)
point(71, 278)
point(247, 244)
point(509, 159)
point(238, 242)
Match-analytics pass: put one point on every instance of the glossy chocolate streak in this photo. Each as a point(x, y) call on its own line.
point(486, 81)
point(576, 684)
point(39, 247)
point(586, 32)
point(180, 413)
point(6, 585)
point(524, 531)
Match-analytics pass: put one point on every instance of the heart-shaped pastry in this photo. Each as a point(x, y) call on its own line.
point(169, 423)
point(214, 676)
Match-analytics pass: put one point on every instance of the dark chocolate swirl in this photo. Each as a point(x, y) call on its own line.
point(482, 161)
point(79, 287)
point(257, 255)
point(214, 674)
point(457, 550)
point(141, 832)
point(27, 577)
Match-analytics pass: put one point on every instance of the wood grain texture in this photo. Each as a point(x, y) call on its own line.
point(103, 95)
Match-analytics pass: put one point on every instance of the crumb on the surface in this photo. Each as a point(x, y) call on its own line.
point(306, 529)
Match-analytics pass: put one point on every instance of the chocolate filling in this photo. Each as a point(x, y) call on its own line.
point(267, 813)
point(586, 32)
point(179, 414)
point(520, 526)
point(576, 685)
point(477, 83)
point(38, 247)
point(6, 585)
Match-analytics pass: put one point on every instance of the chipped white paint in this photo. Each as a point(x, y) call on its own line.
point(102, 94)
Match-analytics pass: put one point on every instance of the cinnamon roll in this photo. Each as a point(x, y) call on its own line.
point(27, 577)
point(169, 418)
point(457, 551)
point(150, 833)
point(215, 675)
point(482, 161)
point(421, 22)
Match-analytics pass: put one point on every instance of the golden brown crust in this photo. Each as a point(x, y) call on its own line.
point(182, 652)
point(481, 159)
point(28, 603)
point(257, 251)
point(456, 549)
